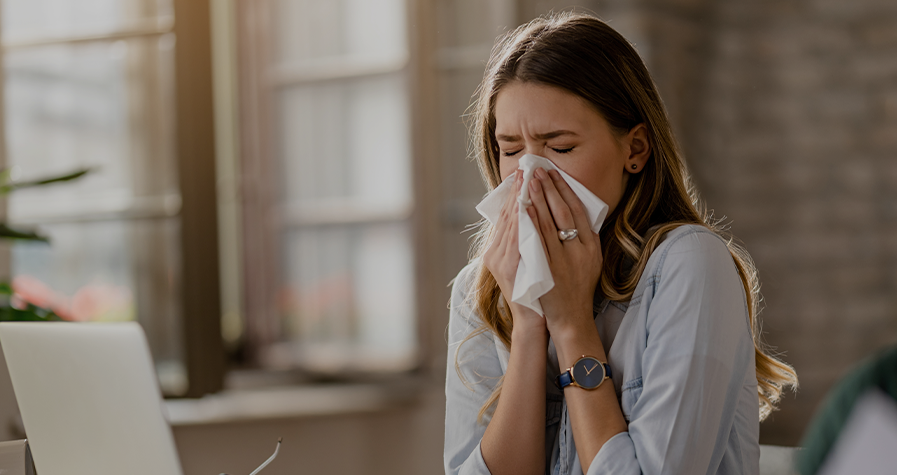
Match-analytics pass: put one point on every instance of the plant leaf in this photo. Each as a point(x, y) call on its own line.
point(6, 188)
point(31, 314)
point(26, 235)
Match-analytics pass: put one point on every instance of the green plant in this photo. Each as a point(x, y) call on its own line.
point(7, 186)
point(30, 312)
point(10, 309)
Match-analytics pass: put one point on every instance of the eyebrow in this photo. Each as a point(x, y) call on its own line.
point(545, 136)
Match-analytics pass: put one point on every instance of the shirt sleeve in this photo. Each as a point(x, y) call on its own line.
point(472, 372)
point(698, 354)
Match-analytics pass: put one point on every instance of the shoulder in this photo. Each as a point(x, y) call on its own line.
point(691, 258)
point(691, 293)
point(690, 249)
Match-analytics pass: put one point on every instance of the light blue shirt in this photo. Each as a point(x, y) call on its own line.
point(683, 366)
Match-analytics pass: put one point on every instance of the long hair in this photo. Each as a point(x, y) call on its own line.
point(583, 55)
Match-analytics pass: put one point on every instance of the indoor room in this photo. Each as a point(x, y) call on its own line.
point(282, 194)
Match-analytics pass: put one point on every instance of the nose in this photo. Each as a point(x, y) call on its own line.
point(529, 148)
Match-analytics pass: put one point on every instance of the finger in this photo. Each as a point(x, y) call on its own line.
point(544, 222)
point(510, 237)
point(574, 204)
point(507, 209)
point(505, 238)
point(497, 239)
point(563, 218)
point(518, 179)
point(512, 205)
point(509, 201)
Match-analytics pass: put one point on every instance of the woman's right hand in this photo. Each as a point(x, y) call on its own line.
point(503, 256)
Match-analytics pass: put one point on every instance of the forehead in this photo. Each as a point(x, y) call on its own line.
point(536, 106)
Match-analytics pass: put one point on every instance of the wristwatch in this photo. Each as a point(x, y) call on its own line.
point(586, 373)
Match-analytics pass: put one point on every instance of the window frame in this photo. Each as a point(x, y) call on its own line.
point(195, 152)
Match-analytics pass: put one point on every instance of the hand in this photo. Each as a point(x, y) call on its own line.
point(502, 257)
point(575, 264)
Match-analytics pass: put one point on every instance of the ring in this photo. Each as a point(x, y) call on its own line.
point(567, 234)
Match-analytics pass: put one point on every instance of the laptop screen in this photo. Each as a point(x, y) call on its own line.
point(89, 398)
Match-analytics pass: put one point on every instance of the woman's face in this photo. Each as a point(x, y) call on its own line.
point(564, 128)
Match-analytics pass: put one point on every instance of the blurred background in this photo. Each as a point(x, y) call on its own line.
point(279, 189)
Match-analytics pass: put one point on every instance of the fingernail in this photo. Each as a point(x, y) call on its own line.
point(540, 173)
point(534, 184)
point(554, 174)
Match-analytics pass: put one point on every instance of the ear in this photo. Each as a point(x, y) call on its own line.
point(639, 148)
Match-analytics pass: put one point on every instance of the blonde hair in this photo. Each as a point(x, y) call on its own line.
point(583, 55)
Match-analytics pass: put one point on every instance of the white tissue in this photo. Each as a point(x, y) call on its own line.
point(533, 279)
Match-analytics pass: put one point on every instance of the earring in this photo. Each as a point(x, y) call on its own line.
point(634, 166)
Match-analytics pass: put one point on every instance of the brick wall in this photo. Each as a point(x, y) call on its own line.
point(787, 113)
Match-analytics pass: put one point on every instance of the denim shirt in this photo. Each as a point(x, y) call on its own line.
point(682, 363)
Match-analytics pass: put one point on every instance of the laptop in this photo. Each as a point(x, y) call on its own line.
point(89, 398)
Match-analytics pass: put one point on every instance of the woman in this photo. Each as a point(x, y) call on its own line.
point(658, 302)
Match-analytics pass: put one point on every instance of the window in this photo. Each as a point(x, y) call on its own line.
point(93, 84)
point(342, 203)
point(332, 88)
point(467, 30)
point(89, 84)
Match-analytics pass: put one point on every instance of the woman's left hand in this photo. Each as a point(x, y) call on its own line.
point(576, 263)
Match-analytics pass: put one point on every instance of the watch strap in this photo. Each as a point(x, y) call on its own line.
point(563, 380)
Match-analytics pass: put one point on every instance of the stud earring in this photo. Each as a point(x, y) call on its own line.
point(634, 166)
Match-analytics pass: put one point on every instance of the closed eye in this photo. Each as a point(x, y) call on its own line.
point(563, 150)
point(510, 154)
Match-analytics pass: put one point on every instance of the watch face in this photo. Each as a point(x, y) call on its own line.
point(588, 372)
